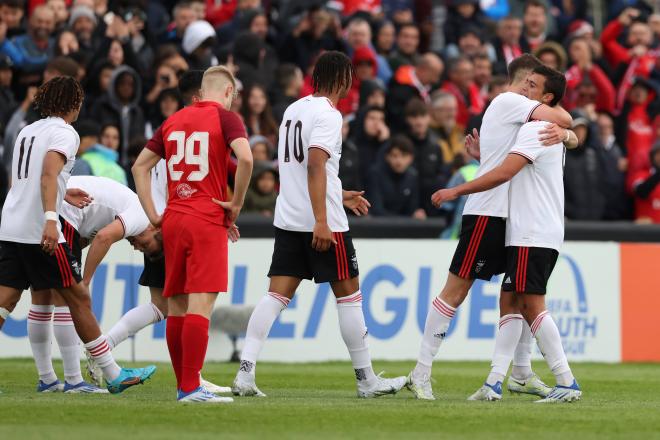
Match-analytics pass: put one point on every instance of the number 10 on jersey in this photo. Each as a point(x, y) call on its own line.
point(298, 152)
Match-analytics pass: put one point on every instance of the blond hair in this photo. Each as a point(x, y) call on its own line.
point(216, 77)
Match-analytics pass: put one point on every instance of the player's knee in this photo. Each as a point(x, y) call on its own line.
point(455, 291)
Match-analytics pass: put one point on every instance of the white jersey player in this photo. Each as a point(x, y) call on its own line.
point(33, 250)
point(114, 206)
point(534, 233)
point(311, 228)
point(480, 252)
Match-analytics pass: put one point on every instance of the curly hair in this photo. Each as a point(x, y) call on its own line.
point(332, 72)
point(59, 96)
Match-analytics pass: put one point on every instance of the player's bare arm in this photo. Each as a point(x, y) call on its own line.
point(142, 176)
point(556, 115)
point(553, 134)
point(317, 180)
point(100, 246)
point(53, 164)
point(77, 197)
point(356, 202)
point(502, 174)
point(243, 153)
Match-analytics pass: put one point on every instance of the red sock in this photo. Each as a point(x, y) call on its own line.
point(173, 333)
point(195, 339)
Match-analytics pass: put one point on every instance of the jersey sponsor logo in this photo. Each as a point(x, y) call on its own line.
point(184, 191)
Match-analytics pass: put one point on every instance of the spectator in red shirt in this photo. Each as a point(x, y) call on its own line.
point(366, 67)
point(646, 188)
point(461, 84)
point(582, 68)
point(635, 59)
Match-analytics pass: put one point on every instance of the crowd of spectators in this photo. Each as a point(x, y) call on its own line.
point(425, 72)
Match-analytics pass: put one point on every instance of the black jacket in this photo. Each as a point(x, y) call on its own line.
point(393, 194)
point(584, 183)
point(349, 167)
point(433, 171)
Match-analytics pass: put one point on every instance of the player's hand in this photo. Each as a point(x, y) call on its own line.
point(552, 134)
point(232, 210)
point(50, 237)
point(78, 198)
point(355, 201)
point(233, 233)
point(443, 195)
point(472, 144)
point(322, 237)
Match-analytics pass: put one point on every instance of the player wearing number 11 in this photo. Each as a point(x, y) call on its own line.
point(196, 145)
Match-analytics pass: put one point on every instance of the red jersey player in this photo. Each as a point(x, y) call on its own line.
point(196, 148)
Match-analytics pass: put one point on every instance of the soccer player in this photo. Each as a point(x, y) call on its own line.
point(113, 214)
point(197, 144)
point(534, 229)
point(153, 275)
point(311, 236)
point(480, 252)
point(33, 251)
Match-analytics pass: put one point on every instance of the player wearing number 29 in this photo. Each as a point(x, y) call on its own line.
point(33, 251)
point(311, 228)
point(196, 147)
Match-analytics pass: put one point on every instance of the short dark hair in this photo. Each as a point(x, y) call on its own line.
point(402, 143)
point(285, 74)
point(87, 128)
point(555, 83)
point(373, 108)
point(497, 81)
point(525, 62)
point(63, 65)
point(332, 72)
point(535, 4)
point(416, 107)
point(408, 25)
point(59, 96)
point(16, 4)
point(189, 85)
point(454, 62)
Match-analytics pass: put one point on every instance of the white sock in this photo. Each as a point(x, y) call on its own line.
point(506, 339)
point(39, 331)
point(261, 320)
point(437, 322)
point(354, 333)
point(547, 336)
point(102, 354)
point(132, 322)
point(69, 343)
point(522, 357)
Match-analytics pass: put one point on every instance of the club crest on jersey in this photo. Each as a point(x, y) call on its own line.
point(184, 191)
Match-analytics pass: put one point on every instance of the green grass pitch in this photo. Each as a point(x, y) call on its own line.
point(316, 401)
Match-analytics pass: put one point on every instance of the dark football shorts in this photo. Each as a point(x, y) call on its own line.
point(27, 265)
point(528, 269)
point(153, 274)
point(480, 252)
point(293, 256)
point(72, 238)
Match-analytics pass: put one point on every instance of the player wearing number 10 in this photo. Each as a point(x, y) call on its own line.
point(196, 146)
point(312, 240)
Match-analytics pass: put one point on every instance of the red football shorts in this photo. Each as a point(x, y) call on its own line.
point(195, 255)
